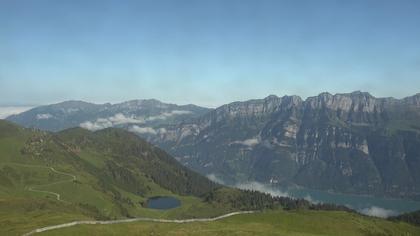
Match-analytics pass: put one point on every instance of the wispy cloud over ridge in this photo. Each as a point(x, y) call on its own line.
point(117, 119)
point(120, 119)
point(142, 130)
point(166, 115)
point(247, 142)
point(44, 116)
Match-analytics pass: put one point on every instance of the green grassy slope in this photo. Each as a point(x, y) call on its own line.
point(115, 174)
point(411, 217)
point(299, 223)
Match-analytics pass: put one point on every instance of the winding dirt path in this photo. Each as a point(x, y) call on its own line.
point(33, 188)
point(108, 222)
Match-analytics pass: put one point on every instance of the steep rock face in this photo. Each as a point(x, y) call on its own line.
point(352, 143)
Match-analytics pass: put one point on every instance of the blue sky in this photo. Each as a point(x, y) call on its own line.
point(205, 52)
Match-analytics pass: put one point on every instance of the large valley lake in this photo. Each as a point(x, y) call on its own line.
point(360, 203)
point(369, 205)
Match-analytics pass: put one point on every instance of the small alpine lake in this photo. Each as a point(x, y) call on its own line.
point(163, 202)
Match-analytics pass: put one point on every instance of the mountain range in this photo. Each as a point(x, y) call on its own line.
point(91, 116)
point(350, 143)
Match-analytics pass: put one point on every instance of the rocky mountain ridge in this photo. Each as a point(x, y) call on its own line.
point(349, 142)
point(92, 116)
point(344, 142)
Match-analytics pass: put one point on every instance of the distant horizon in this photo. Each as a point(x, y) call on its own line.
point(205, 52)
point(182, 104)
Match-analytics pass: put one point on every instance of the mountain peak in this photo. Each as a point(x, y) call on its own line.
point(413, 100)
point(361, 93)
point(271, 96)
point(143, 102)
point(325, 94)
point(73, 103)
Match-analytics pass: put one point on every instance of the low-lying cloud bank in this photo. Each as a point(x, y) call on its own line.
point(166, 115)
point(262, 188)
point(256, 186)
point(369, 211)
point(215, 179)
point(44, 116)
point(378, 212)
point(119, 119)
point(11, 110)
point(146, 130)
point(142, 130)
point(247, 142)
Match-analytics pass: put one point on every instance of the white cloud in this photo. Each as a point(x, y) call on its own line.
point(272, 191)
point(378, 212)
point(214, 178)
point(262, 188)
point(97, 125)
point(120, 118)
point(180, 112)
point(166, 115)
point(162, 131)
point(142, 130)
point(311, 200)
point(8, 111)
point(117, 119)
point(44, 116)
point(247, 142)
point(146, 130)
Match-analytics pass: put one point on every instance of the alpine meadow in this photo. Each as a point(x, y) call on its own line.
point(199, 117)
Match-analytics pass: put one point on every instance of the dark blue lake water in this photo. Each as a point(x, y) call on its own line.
point(163, 203)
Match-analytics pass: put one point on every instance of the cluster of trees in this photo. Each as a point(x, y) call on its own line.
point(240, 199)
point(330, 207)
point(412, 218)
point(297, 203)
point(124, 178)
point(133, 155)
point(254, 200)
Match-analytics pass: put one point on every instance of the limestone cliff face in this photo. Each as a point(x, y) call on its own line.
point(413, 100)
point(345, 142)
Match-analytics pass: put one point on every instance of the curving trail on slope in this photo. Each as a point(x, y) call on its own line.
point(107, 222)
point(33, 188)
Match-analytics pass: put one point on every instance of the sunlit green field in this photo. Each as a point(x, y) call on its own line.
point(279, 222)
point(22, 211)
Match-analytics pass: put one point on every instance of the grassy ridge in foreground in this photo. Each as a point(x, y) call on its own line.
point(277, 222)
point(116, 173)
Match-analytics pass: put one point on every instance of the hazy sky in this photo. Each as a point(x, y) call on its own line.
point(205, 52)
